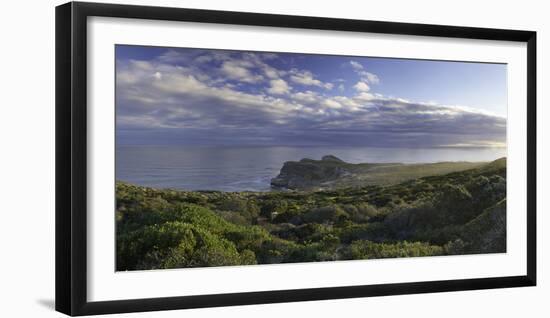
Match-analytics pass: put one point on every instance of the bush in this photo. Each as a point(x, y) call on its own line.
point(369, 250)
point(234, 217)
point(289, 216)
point(247, 208)
point(327, 214)
point(455, 247)
point(270, 206)
point(361, 212)
point(377, 232)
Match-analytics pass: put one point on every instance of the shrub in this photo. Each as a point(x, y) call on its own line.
point(270, 206)
point(331, 213)
point(369, 250)
point(360, 212)
point(455, 247)
point(234, 217)
point(247, 208)
point(377, 232)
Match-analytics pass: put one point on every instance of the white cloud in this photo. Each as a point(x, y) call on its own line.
point(141, 65)
point(238, 70)
point(372, 78)
point(356, 65)
point(307, 97)
point(126, 77)
point(271, 72)
point(332, 104)
point(363, 74)
point(347, 102)
point(181, 100)
point(306, 78)
point(364, 96)
point(477, 144)
point(278, 87)
point(179, 83)
point(189, 57)
point(341, 87)
point(257, 61)
point(361, 87)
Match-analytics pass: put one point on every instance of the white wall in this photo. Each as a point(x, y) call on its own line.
point(27, 158)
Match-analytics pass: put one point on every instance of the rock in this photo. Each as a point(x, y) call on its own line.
point(332, 172)
point(309, 173)
point(332, 158)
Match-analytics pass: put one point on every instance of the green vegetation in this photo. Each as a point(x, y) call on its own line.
point(461, 212)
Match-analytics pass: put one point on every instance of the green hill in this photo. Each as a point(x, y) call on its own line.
point(461, 212)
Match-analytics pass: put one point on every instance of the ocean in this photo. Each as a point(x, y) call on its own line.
point(251, 168)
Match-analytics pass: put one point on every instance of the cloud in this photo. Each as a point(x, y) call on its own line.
point(271, 72)
point(238, 70)
point(222, 101)
point(477, 144)
point(363, 74)
point(181, 100)
point(331, 103)
point(278, 87)
point(341, 87)
point(356, 65)
point(307, 97)
point(258, 61)
point(361, 87)
point(306, 78)
point(371, 78)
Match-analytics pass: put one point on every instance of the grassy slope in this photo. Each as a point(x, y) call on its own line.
point(456, 213)
point(393, 174)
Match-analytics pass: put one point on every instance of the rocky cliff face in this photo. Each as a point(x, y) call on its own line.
point(308, 173)
point(331, 172)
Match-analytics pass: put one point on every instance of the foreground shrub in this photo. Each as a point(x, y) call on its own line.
point(368, 250)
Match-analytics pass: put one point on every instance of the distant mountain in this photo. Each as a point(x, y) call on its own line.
point(331, 172)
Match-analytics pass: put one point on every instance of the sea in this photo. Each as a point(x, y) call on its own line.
point(251, 168)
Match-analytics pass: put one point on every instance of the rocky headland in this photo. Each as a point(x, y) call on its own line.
point(332, 172)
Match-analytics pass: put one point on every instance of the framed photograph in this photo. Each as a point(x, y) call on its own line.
point(208, 158)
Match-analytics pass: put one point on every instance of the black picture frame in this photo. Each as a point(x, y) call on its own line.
point(71, 157)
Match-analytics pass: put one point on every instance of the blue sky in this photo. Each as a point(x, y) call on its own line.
point(215, 97)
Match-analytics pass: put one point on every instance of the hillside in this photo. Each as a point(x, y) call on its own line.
point(331, 172)
point(461, 212)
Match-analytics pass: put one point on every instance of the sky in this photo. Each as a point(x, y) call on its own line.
point(190, 96)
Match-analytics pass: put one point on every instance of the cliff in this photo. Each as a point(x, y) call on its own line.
point(331, 172)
